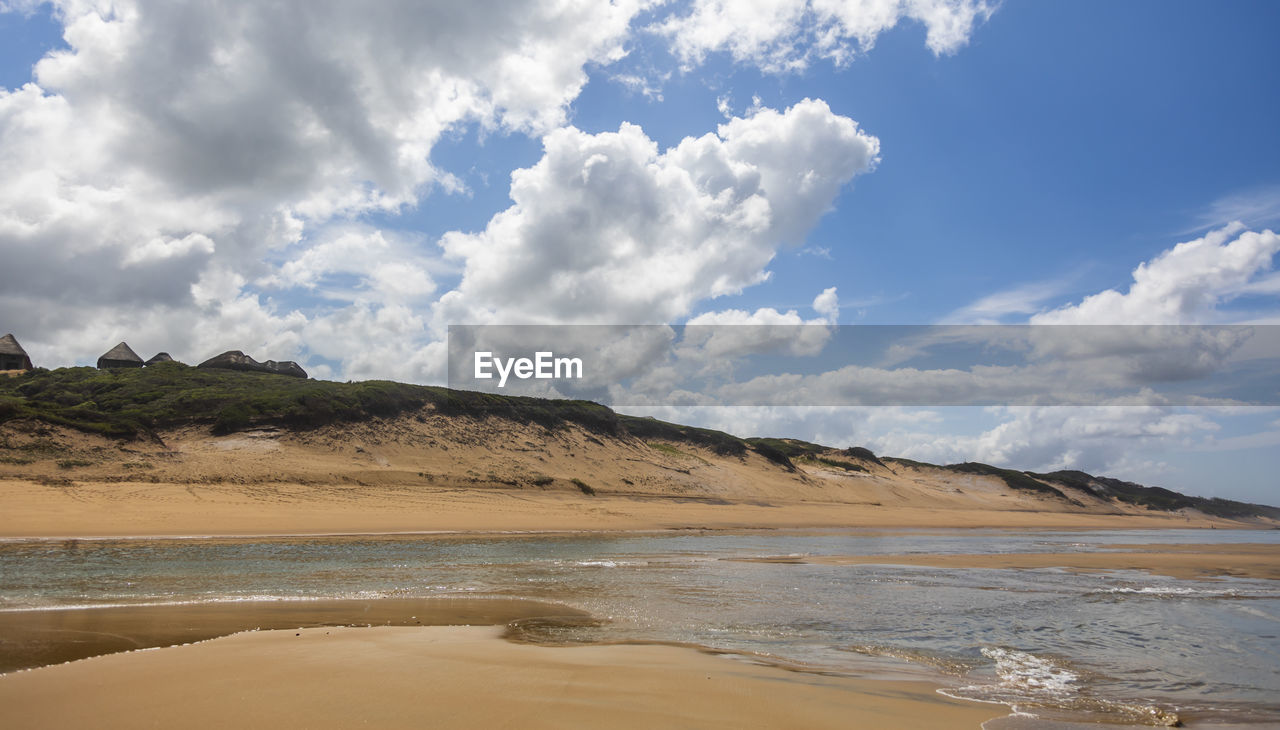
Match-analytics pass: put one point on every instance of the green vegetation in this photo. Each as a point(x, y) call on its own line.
point(137, 402)
point(670, 450)
point(859, 452)
point(912, 462)
point(773, 453)
point(651, 428)
point(546, 412)
point(793, 448)
point(1156, 498)
point(836, 463)
point(134, 402)
point(1015, 479)
point(667, 449)
point(813, 453)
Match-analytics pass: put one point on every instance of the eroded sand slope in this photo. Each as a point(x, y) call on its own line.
point(428, 472)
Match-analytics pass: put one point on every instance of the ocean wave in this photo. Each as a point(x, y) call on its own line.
point(1028, 680)
point(938, 661)
point(1022, 670)
point(1168, 591)
point(443, 593)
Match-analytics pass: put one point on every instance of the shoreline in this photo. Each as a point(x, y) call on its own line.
point(1186, 561)
point(459, 676)
point(888, 530)
point(121, 630)
point(34, 636)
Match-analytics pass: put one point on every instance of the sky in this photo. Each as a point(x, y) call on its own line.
point(338, 183)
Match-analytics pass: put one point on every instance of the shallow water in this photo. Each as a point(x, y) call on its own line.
point(1117, 647)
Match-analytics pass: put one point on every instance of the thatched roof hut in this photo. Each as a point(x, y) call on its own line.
point(12, 356)
point(120, 356)
point(159, 357)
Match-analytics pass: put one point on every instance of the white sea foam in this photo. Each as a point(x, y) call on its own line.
point(1028, 680)
point(1021, 670)
point(1171, 591)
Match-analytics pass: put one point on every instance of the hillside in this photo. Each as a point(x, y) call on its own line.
point(77, 440)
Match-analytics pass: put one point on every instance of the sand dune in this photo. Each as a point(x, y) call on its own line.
point(429, 473)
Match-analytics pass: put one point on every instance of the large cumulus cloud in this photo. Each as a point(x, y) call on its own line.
point(606, 228)
point(155, 164)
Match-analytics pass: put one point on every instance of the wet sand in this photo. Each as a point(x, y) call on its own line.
point(1252, 560)
point(43, 637)
point(397, 677)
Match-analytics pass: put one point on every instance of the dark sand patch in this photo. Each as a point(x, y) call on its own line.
point(42, 637)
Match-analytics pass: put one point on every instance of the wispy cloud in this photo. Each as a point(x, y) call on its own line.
point(1011, 305)
point(1254, 207)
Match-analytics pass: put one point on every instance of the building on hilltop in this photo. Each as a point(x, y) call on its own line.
point(12, 356)
point(160, 357)
point(120, 356)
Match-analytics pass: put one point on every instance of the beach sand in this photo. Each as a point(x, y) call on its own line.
point(131, 509)
point(454, 474)
point(397, 677)
point(30, 639)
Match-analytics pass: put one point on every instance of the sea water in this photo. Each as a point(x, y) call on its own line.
point(1061, 647)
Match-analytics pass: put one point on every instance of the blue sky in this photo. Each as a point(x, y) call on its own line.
point(336, 187)
point(1065, 144)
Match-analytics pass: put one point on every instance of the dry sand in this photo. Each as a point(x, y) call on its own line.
point(455, 677)
point(1178, 561)
point(122, 509)
point(427, 474)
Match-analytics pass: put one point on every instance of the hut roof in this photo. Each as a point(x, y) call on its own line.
point(160, 357)
point(9, 346)
point(121, 352)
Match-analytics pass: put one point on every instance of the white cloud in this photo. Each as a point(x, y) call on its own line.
point(1183, 285)
point(827, 304)
point(388, 266)
point(715, 337)
point(1254, 207)
point(1104, 440)
point(1186, 284)
point(159, 168)
point(607, 229)
point(1092, 439)
point(783, 35)
point(1015, 302)
point(650, 88)
point(188, 176)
